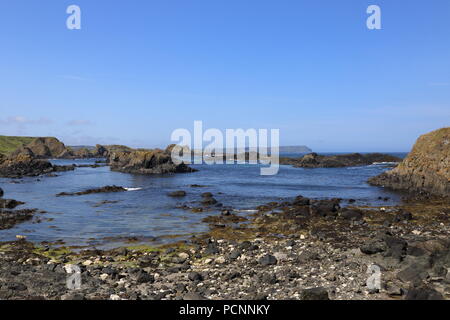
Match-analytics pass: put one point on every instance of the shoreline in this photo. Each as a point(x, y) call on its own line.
point(285, 249)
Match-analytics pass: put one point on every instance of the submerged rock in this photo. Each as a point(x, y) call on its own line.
point(9, 218)
point(9, 203)
point(177, 194)
point(426, 170)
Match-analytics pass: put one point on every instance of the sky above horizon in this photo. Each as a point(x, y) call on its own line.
point(137, 70)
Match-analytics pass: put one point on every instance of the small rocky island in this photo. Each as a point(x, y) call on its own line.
point(146, 162)
point(314, 160)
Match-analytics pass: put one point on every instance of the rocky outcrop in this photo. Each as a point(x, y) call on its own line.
point(9, 218)
point(426, 170)
point(42, 148)
point(100, 151)
point(146, 162)
point(46, 148)
point(26, 165)
point(314, 160)
point(106, 189)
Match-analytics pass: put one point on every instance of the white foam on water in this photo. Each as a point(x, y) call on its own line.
point(133, 189)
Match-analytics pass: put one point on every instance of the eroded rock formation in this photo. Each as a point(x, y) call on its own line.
point(426, 170)
point(146, 162)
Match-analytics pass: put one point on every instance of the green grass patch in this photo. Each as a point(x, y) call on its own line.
point(10, 144)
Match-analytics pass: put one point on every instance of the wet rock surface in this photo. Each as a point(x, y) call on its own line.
point(9, 218)
point(299, 249)
point(106, 189)
point(314, 160)
point(177, 194)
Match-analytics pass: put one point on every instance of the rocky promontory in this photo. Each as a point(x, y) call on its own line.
point(426, 170)
point(42, 148)
point(52, 148)
point(314, 160)
point(146, 162)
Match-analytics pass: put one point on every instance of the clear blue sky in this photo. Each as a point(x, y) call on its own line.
point(139, 69)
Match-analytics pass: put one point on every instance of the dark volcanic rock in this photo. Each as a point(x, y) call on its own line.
point(9, 218)
point(324, 208)
point(177, 194)
point(195, 276)
point(9, 203)
point(373, 247)
point(209, 201)
point(351, 214)
point(144, 277)
point(314, 160)
point(426, 170)
point(314, 294)
point(106, 189)
point(268, 260)
point(423, 293)
point(212, 248)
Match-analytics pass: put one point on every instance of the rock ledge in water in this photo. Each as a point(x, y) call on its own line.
point(314, 160)
point(106, 189)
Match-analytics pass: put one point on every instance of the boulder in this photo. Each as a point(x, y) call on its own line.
point(268, 260)
point(314, 294)
point(177, 194)
point(426, 170)
point(423, 293)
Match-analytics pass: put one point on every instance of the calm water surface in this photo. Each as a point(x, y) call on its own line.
point(148, 211)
